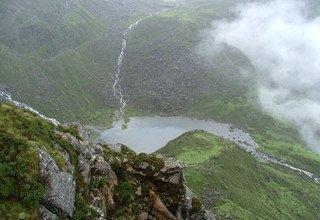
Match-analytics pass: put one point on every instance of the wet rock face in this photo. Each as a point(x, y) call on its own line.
point(59, 186)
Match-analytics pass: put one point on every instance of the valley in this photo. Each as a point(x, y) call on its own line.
point(142, 76)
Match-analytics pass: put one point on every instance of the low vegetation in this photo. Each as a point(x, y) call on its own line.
point(235, 186)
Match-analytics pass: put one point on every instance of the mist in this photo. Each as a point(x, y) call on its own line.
point(282, 41)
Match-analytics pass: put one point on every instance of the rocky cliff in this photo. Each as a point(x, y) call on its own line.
point(54, 172)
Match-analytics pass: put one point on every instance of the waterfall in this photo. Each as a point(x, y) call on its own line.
point(116, 87)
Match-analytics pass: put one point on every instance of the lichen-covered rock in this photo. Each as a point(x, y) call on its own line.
point(59, 186)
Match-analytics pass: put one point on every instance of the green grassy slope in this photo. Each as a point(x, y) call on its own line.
point(21, 134)
point(235, 186)
point(58, 56)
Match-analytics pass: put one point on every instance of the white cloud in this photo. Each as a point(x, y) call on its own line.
point(284, 46)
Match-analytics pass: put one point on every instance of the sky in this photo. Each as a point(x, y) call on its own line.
point(283, 44)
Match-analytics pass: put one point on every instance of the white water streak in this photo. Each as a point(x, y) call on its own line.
point(8, 98)
point(116, 87)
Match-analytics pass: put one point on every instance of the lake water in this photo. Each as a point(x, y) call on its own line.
point(148, 134)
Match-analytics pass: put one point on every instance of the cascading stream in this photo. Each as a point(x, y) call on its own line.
point(116, 87)
point(8, 98)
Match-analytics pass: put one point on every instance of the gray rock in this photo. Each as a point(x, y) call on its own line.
point(84, 167)
point(115, 147)
point(59, 187)
point(83, 133)
point(87, 149)
point(144, 165)
point(103, 195)
point(100, 166)
point(170, 165)
point(87, 153)
point(45, 214)
point(138, 192)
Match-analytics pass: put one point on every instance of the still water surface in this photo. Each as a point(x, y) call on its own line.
point(151, 133)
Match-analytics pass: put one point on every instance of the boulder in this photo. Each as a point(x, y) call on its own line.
point(59, 185)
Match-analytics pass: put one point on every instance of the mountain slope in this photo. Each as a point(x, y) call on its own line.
point(60, 62)
point(62, 53)
point(49, 172)
point(235, 186)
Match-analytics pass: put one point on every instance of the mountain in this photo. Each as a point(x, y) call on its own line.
point(58, 56)
point(65, 52)
point(53, 172)
point(234, 185)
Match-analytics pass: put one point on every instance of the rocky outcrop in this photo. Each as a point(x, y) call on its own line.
point(165, 196)
point(102, 173)
point(112, 182)
point(59, 185)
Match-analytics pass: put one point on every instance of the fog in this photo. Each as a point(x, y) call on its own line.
point(282, 41)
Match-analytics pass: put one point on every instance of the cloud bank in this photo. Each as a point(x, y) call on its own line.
point(284, 46)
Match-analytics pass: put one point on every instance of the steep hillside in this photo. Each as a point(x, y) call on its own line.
point(58, 56)
point(61, 61)
point(235, 186)
point(49, 172)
